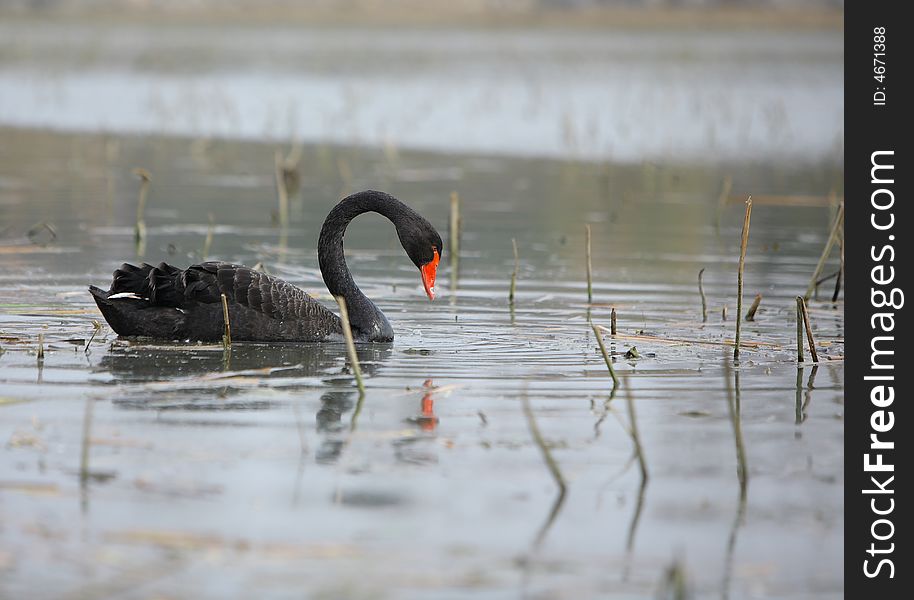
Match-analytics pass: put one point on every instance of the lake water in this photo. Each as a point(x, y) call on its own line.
point(138, 470)
point(620, 94)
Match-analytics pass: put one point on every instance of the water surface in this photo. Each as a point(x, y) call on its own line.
point(261, 474)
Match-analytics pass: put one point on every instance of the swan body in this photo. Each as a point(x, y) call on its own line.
point(168, 303)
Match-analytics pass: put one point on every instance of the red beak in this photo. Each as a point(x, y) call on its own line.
point(429, 271)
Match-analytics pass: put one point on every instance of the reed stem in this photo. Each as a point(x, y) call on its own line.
point(454, 241)
point(513, 273)
point(350, 344)
point(609, 362)
point(840, 277)
point(739, 280)
point(97, 327)
point(589, 265)
point(832, 237)
point(750, 315)
point(809, 337)
point(282, 193)
point(227, 333)
point(800, 357)
point(140, 230)
point(704, 301)
point(612, 321)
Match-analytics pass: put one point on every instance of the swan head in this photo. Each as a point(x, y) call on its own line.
point(429, 271)
point(424, 247)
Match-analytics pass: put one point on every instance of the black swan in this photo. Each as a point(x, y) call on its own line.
point(168, 303)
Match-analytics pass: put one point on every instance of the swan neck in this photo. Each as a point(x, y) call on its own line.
point(366, 319)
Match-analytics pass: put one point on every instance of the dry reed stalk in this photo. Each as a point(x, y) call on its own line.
point(227, 332)
point(589, 265)
point(832, 237)
point(750, 315)
point(514, 273)
point(809, 337)
point(282, 193)
point(609, 362)
point(744, 242)
point(350, 345)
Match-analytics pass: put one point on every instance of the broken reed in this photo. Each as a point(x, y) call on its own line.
point(98, 327)
point(40, 347)
point(227, 332)
point(802, 309)
point(609, 362)
point(832, 237)
point(704, 301)
point(744, 242)
point(513, 273)
point(612, 321)
point(750, 316)
point(350, 345)
point(589, 266)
